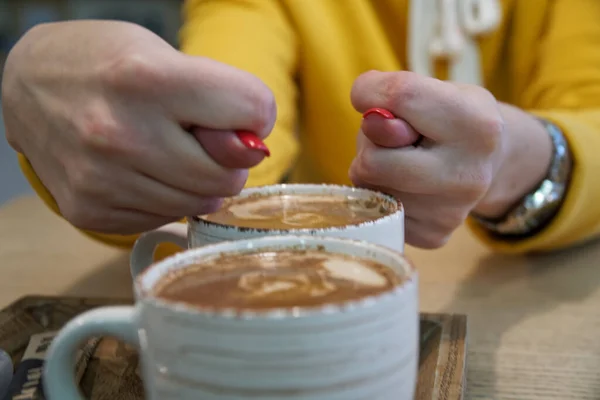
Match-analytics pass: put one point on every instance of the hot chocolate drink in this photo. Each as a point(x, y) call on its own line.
point(298, 211)
point(276, 279)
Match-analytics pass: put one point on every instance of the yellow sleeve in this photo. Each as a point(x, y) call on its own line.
point(253, 35)
point(565, 89)
point(256, 36)
point(124, 241)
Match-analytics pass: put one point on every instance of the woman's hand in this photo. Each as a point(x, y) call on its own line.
point(126, 132)
point(459, 166)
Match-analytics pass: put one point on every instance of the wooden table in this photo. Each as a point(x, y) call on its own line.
point(534, 322)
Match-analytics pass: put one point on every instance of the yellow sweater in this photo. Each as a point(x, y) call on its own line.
point(544, 58)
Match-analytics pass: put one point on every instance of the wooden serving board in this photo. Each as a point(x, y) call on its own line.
point(112, 372)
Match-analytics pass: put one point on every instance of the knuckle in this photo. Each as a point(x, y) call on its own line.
point(473, 183)
point(99, 131)
point(490, 124)
point(363, 169)
point(264, 108)
point(362, 82)
point(366, 167)
point(236, 183)
point(133, 72)
point(354, 175)
point(359, 178)
point(361, 86)
point(398, 91)
point(492, 130)
point(83, 181)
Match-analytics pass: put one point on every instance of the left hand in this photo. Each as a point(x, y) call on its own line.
point(440, 181)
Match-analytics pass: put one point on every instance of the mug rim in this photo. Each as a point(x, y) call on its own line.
point(145, 294)
point(195, 220)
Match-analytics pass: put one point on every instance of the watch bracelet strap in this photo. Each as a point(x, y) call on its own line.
point(537, 208)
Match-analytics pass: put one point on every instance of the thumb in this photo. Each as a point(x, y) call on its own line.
point(383, 129)
point(231, 149)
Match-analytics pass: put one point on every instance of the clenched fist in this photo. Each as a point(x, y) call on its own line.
point(126, 132)
point(442, 179)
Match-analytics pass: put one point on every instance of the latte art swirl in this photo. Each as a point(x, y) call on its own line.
point(263, 284)
point(303, 219)
point(278, 279)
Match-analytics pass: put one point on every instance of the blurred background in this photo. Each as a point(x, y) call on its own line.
point(17, 16)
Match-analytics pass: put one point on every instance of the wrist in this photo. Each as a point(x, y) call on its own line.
point(524, 163)
point(537, 208)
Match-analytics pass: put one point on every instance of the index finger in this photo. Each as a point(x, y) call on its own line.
point(218, 96)
point(197, 91)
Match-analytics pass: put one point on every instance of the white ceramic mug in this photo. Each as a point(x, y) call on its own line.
point(387, 230)
point(361, 349)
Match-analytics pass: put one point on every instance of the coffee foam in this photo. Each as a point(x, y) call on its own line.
point(297, 211)
point(256, 209)
point(355, 271)
point(277, 279)
point(318, 282)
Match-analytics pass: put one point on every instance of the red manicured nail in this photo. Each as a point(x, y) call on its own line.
point(251, 141)
point(379, 111)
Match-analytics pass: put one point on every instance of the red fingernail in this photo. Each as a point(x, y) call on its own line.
point(379, 111)
point(251, 141)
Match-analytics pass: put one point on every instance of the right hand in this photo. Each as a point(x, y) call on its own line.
point(103, 112)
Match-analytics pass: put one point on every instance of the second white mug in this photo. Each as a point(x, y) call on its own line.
point(386, 230)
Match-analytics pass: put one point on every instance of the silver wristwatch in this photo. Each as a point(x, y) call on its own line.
point(537, 208)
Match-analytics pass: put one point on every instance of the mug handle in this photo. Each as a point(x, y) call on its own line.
point(142, 253)
point(59, 370)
